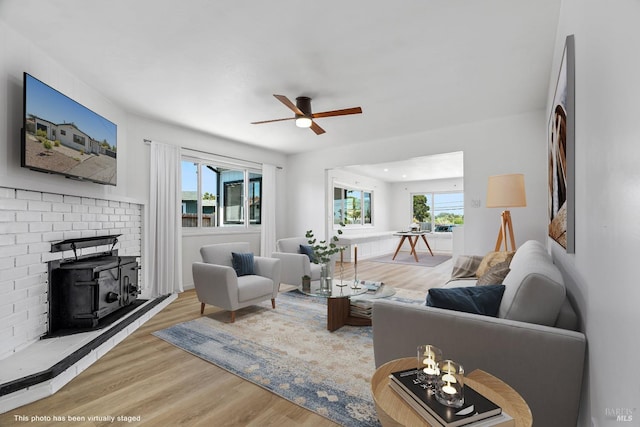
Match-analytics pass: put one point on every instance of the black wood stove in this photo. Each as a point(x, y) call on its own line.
point(89, 292)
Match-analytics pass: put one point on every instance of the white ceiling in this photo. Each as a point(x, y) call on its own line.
point(438, 166)
point(412, 65)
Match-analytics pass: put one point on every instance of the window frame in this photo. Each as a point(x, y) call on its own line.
point(363, 191)
point(432, 195)
point(248, 169)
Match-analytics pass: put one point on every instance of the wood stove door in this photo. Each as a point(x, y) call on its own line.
point(128, 283)
point(108, 294)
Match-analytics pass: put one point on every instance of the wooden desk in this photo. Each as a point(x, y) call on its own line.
point(413, 237)
point(394, 412)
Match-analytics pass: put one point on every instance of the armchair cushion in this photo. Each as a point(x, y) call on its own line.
point(483, 300)
point(243, 263)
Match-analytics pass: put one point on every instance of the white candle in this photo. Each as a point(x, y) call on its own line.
point(449, 389)
point(448, 378)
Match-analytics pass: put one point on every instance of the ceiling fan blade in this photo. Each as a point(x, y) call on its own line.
point(289, 104)
point(271, 121)
point(344, 112)
point(317, 129)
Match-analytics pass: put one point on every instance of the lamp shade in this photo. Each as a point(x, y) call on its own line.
point(506, 191)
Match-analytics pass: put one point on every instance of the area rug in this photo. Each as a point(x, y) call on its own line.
point(289, 352)
point(424, 259)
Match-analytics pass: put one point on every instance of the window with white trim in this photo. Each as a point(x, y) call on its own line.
point(352, 206)
point(218, 194)
point(437, 211)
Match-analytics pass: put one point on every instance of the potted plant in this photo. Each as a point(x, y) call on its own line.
point(306, 283)
point(322, 253)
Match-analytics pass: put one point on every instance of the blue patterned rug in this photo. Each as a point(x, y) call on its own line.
point(289, 352)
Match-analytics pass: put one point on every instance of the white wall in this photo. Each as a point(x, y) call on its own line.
point(510, 144)
point(602, 273)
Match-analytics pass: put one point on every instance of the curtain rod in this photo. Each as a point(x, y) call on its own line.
point(148, 142)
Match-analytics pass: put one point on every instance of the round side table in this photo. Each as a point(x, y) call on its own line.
point(394, 412)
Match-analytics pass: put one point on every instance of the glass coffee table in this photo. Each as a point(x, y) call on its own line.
point(338, 304)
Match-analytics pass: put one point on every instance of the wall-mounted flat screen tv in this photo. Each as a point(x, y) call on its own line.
point(64, 137)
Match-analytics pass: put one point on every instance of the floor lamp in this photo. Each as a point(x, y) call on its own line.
point(506, 191)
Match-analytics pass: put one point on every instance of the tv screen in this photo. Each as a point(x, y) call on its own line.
point(64, 137)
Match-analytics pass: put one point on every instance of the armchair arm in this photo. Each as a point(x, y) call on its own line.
point(531, 358)
point(216, 285)
point(293, 267)
point(268, 267)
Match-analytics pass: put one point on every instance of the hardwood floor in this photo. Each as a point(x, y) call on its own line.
point(148, 378)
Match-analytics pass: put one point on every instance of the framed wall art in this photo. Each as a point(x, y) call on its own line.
point(561, 152)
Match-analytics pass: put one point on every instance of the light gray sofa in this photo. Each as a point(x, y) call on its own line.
point(530, 345)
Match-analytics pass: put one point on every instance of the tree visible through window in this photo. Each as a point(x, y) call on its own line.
point(438, 210)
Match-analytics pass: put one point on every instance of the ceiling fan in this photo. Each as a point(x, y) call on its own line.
point(303, 115)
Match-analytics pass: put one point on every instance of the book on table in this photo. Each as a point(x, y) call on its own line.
point(371, 286)
point(476, 407)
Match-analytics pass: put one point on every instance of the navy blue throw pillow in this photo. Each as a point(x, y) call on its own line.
point(474, 299)
point(308, 251)
point(243, 263)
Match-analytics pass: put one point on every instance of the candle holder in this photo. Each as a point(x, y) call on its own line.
point(428, 358)
point(449, 388)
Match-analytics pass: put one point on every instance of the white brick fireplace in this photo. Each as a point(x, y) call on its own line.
point(29, 222)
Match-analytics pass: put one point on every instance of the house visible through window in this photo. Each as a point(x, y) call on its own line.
point(437, 211)
point(351, 206)
point(219, 195)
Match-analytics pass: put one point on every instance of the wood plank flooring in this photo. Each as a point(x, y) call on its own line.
point(148, 378)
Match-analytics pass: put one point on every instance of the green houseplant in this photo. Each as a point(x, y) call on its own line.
point(322, 253)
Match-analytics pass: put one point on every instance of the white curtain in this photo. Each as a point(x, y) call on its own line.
point(268, 206)
point(165, 228)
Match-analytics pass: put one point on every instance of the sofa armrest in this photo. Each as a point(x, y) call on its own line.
point(268, 267)
point(544, 364)
point(293, 267)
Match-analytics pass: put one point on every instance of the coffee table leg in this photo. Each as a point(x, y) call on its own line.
point(337, 313)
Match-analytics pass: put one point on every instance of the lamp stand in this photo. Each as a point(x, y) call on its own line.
point(505, 227)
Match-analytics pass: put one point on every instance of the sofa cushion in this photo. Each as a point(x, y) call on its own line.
point(478, 300)
point(308, 251)
point(243, 263)
point(491, 259)
point(465, 266)
point(534, 288)
point(494, 275)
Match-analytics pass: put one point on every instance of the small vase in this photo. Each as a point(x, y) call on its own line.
point(325, 279)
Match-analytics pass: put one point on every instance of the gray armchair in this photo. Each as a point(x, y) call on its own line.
point(295, 264)
point(217, 283)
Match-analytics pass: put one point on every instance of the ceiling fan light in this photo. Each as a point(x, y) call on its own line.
point(303, 122)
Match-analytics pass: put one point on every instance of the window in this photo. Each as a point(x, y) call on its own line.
point(78, 139)
point(351, 206)
point(437, 211)
point(219, 195)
